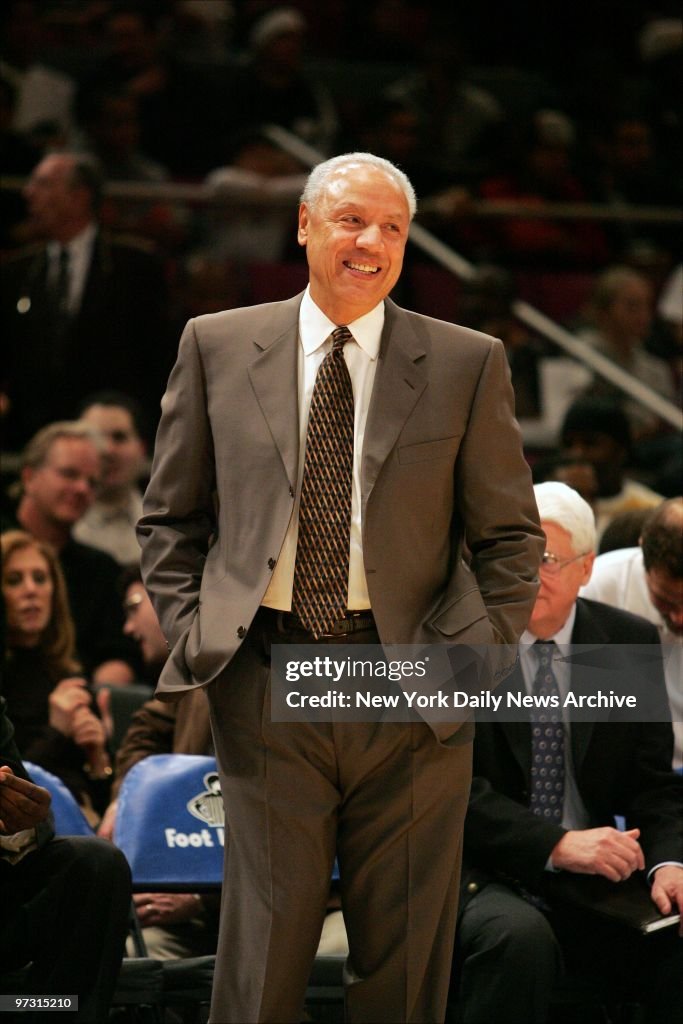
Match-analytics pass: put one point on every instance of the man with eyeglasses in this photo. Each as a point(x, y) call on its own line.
point(542, 810)
point(60, 476)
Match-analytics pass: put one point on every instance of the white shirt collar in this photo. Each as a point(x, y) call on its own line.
point(315, 327)
point(562, 638)
point(79, 247)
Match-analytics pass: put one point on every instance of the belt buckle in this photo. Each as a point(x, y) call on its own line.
point(345, 626)
point(331, 636)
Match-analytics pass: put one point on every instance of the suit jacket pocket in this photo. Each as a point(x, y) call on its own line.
point(426, 451)
point(467, 612)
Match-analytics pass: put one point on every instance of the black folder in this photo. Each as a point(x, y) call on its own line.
point(628, 902)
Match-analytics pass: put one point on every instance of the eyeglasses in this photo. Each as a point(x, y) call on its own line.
point(553, 565)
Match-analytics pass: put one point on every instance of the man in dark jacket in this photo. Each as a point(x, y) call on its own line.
point(82, 311)
point(545, 795)
point(64, 901)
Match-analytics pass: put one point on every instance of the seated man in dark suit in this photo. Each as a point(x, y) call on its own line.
point(543, 802)
point(64, 901)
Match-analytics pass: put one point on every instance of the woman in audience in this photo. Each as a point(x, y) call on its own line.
point(52, 708)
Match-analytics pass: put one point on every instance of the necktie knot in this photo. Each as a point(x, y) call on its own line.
point(339, 338)
point(545, 651)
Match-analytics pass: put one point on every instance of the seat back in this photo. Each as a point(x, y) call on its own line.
point(68, 816)
point(170, 823)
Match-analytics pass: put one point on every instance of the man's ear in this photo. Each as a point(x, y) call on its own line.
point(587, 566)
point(302, 233)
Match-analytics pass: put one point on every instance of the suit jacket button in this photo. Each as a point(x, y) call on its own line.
point(472, 887)
point(271, 564)
point(241, 632)
point(291, 491)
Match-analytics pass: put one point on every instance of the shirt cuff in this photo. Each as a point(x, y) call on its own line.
point(16, 846)
point(663, 864)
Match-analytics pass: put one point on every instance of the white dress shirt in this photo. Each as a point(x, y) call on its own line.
point(80, 251)
point(361, 358)
point(618, 579)
point(110, 527)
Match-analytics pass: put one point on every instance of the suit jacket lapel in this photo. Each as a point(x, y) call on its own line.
point(275, 364)
point(399, 382)
point(518, 732)
point(97, 277)
point(586, 631)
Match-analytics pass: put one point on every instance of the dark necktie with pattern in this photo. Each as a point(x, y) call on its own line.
point(547, 740)
point(321, 573)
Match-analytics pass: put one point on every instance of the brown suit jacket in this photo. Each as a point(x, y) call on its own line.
point(442, 467)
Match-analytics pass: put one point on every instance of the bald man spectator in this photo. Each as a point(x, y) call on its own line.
point(82, 311)
point(648, 580)
point(109, 522)
point(60, 473)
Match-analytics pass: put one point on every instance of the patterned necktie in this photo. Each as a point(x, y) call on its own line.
point(547, 741)
point(321, 573)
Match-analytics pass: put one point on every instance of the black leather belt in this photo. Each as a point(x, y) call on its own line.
point(287, 622)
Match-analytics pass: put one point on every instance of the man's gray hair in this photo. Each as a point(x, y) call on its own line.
point(318, 178)
point(36, 452)
point(562, 505)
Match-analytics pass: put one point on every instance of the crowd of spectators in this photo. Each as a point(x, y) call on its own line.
point(95, 285)
point(567, 110)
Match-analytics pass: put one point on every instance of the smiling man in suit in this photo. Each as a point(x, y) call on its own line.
point(321, 467)
point(544, 798)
